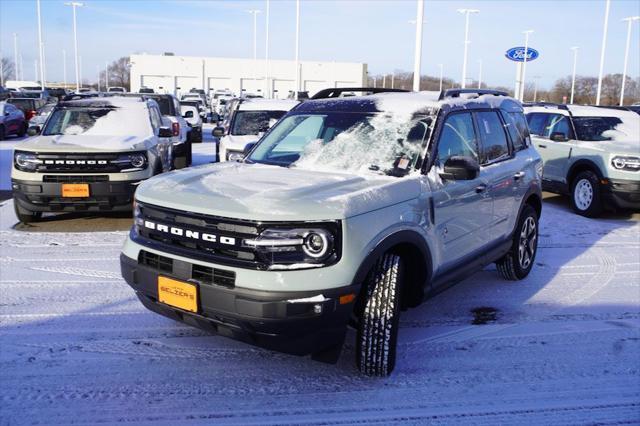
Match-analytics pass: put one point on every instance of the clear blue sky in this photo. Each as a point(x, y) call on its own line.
point(375, 32)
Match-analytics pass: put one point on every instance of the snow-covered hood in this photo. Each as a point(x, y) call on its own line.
point(86, 143)
point(237, 143)
point(267, 193)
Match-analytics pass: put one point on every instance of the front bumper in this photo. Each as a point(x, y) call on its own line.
point(106, 195)
point(267, 319)
point(623, 193)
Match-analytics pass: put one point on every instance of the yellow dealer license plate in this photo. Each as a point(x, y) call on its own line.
point(75, 190)
point(177, 293)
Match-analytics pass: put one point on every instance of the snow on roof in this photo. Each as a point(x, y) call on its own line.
point(257, 104)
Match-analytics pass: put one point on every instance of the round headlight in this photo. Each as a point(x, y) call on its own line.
point(316, 244)
point(619, 162)
point(25, 161)
point(138, 160)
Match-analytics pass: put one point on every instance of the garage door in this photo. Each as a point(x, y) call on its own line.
point(219, 83)
point(249, 85)
point(184, 84)
point(281, 88)
point(159, 83)
point(314, 86)
point(347, 84)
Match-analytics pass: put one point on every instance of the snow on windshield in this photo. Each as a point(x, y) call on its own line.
point(627, 131)
point(388, 142)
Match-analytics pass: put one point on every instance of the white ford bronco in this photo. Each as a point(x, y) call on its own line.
point(91, 156)
point(590, 153)
point(347, 211)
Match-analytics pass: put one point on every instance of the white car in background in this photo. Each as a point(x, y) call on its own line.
point(247, 123)
point(196, 97)
point(190, 112)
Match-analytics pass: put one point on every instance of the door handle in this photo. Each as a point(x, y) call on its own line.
point(518, 175)
point(481, 188)
point(542, 146)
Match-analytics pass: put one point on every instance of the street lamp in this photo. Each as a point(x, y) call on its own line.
point(255, 12)
point(417, 58)
point(524, 62)
point(297, 59)
point(75, 5)
point(535, 87)
point(15, 56)
point(266, 53)
point(604, 45)
point(466, 12)
point(573, 79)
point(40, 45)
point(480, 74)
point(106, 76)
point(441, 74)
point(64, 67)
point(630, 21)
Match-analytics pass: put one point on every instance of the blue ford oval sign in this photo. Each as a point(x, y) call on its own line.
point(517, 54)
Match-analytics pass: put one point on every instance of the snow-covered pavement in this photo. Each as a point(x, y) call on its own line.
point(76, 347)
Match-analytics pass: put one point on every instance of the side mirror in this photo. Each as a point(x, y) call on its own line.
point(558, 137)
point(188, 114)
point(33, 131)
point(218, 132)
point(248, 147)
point(460, 168)
point(165, 132)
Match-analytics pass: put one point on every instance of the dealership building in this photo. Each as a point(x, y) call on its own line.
point(179, 74)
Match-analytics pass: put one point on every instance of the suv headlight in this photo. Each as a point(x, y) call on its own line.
point(25, 161)
point(298, 248)
point(235, 156)
point(631, 164)
point(136, 160)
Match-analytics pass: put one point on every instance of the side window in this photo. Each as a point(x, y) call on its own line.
point(537, 122)
point(558, 123)
point(518, 129)
point(492, 137)
point(458, 138)
point(156, 122)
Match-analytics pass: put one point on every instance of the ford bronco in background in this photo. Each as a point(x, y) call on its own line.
point(91, 156)
point(347, 211)
point(590, 153)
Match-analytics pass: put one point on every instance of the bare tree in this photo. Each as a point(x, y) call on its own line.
point(7, 69)
point(119, 73)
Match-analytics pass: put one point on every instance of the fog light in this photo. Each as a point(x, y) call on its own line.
point(317, 309)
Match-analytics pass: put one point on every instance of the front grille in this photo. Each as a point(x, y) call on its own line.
point(198, 236)
point(75, 179)
point(199, 273)
point(82, 163)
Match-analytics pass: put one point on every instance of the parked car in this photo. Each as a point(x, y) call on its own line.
point(190, 113)
point(35, 94)
point(219, 106)
point(590, 153)
point(4, 93)
point(196, 97)
point(146, 90)
point(117, 89)
point(299, 96)
point(88, 90)
point(348, 211)
point(57, 92)
point(248, 122)
point(91, 156)
point(12, 121)
point(36, 123)
point(29, 106)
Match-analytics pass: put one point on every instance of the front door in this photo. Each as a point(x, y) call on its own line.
point(555, 155)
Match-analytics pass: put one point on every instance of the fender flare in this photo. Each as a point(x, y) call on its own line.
point(580, 163)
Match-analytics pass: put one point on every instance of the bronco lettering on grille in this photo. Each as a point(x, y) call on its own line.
point(189, 233)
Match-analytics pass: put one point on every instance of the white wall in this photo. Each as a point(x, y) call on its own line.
point(179, 74)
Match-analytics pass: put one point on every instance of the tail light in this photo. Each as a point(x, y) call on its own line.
point(30, 114)
point(176, 128)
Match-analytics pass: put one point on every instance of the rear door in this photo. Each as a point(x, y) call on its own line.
point(462, 208)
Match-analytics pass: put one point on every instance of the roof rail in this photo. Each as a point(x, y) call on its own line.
point(551, 104)
point(337, 91)
point(455, 93)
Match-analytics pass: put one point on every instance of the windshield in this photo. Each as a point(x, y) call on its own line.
point(593, 128)
point(109, 121)
point(349, 142)
point(254, 122)
point(22, 103)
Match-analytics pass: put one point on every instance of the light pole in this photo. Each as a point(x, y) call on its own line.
point(74, 5)
point(524, 62)
point(98, 69)
point(480, 74)
point(604, 45)
point(629, 20)
point(106, 76)
point(297, 59)
point(441, 75)
point(417, 57)
point(573, 79)
point(43, 65)
point(393, 77)
point(80, 70)
point(466, 12)
point(64, 67)
point(255, 12)
point(15, 56)
point(35, 70)
point(40, 45)
point(267, 92)
point(535, 87)
point(21, 67)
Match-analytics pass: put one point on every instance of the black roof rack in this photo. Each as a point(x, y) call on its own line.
point(455, 93)
point(337, 91)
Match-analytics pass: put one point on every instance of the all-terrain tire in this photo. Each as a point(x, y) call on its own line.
point(24, 215)
point(585, 194)
point(517, 263)
point(378, 326)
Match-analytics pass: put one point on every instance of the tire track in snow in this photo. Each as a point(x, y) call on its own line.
point(79, 272)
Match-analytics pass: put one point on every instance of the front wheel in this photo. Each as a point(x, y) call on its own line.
point(25, 216)
point(517, 263)
point(585, 194)
point(378, 326)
